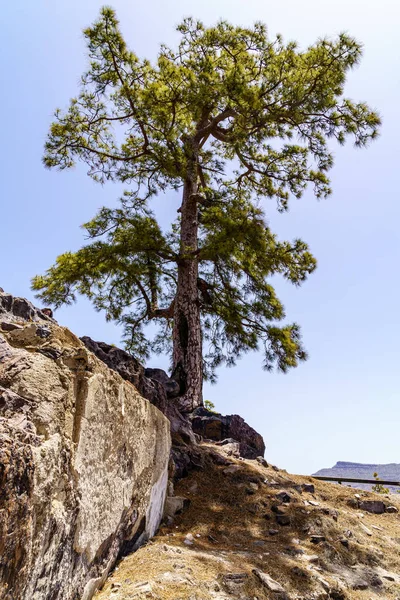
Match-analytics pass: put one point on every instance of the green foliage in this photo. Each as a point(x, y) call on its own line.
point(260, 113)
point(378, 487)
point(209, 406)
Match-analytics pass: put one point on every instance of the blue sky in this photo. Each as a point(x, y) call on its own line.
point(343, 404)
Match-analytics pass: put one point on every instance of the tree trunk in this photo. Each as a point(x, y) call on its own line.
point(187, 339)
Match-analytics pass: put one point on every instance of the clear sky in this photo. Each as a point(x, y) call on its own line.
point(343, 404)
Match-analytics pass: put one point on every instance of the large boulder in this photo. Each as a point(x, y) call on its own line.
point(83, 461)
point(217, 427)
point(153, 384)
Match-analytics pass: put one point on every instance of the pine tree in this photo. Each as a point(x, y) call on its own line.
point(226, 120)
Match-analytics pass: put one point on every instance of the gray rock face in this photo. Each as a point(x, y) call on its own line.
point(214, 426)
point(83, 462)
point(153, 384)
point(130, 369)
point(12, 308)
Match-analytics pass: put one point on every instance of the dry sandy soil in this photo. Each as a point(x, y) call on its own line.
point(229, 543)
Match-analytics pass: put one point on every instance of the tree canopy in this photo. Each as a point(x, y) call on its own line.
point(230, 119)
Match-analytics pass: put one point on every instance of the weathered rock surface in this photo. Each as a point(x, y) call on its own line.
point(83, 461)
point(214, 426)
point(12, 308)
point(153, 384)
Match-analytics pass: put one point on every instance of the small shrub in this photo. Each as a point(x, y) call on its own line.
point(378, 487)
point(209, 406)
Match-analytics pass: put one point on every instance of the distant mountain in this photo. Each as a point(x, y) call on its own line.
point(390, 472)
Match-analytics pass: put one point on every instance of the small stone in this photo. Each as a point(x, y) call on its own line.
point(273, 531)
point(332, 513)
point(275, 468)
point(142, 588)
point(283, 520)
point(348, 533)
point(365, 529)
point(115, 585)
point(392, 509)
point(262, 461)
point(175, 505)
point(308, 487)
point(325, 585)
point(236, 577)
point(283, 497)
point(317, 539)
point(234, 581)
point(345, 542)
point(376, 581)
point(313, 503)
point(268, 582)
point(360, 584)
point(189, 539)
point(312, 558)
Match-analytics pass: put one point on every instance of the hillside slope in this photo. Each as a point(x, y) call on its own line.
point(254, 532)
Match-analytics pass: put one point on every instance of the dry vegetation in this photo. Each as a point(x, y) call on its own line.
point(235, 531)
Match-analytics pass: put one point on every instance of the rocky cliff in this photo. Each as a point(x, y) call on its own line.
point(83, 461)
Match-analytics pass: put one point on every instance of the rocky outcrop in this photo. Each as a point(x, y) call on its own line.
point(12, 309)
point(153, 384)
point(83, 461)
point(216, 427)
